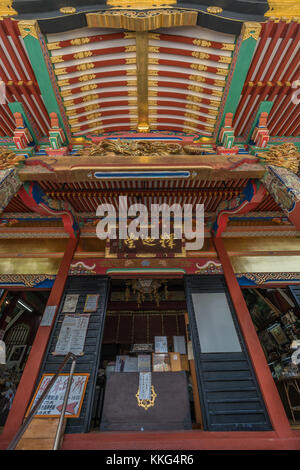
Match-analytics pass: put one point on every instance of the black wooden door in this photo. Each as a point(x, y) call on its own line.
point(229, 393)
point(89, 362)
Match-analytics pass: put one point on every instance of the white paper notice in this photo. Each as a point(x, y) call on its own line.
point(72, 334)
point(48, 315)
point(145, 386)
point(70, 304)
point(91, 303)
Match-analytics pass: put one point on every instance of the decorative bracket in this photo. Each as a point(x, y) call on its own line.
point(251, 196)
point(34, 197)
point(284, 186)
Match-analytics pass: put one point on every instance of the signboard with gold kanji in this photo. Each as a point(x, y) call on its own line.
point(166, 245)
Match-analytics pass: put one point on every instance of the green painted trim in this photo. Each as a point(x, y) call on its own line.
point(241, 68)
point(17, 107)
point(38, 63)
point(264, 107)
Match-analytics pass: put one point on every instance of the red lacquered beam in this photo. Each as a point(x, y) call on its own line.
point(186, 76)
point(281, 102)
point(5, 123)
point(91, 76)
point(278, 31)
point(152, 93)
point(88, 39)
point(95, 96)
point(188, 53)
point(184, 123)
point(100, 123)
point(127, 83)
point(246, 117)
point(92, 65)
point(10, 118)
point(56, 59)
point(281, 123)
point(37, 112)
point(185, 86)
point(179, 104)
point(189, 65)
point(97, 114)
point(195, 41)
point(97, 86)
point(12, 56)
point(265, 33)
point(292, 27)
point(99, 106)
point(294, 128)
point(34, 110)
point(288, 123)
point(185, 114)
point(248, 90)
point(35, 92)
point(296, 132)
point(184, 96)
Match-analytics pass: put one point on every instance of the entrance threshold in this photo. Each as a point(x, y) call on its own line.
point(181, 440)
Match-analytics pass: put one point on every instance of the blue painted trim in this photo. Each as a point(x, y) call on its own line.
point(142, 174)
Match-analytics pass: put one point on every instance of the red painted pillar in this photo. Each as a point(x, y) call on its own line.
point(264, 377)
point(34, 362)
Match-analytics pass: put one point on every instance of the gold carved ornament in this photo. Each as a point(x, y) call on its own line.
point(283, 9)
point(284, 155)
point(6, 8)
point(214, 10)
point(29, 28)
point(251, 30)
point(142, 20)
point(8, 159)
point(146, 403)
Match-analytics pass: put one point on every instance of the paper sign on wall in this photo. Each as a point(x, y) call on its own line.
point(91, 303)
point(72, 335)
point(70, 304)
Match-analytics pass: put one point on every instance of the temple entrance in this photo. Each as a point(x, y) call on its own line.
point(275, 313)
point(145, 338)
point(20, 316)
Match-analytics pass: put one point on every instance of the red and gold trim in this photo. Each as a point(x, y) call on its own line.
point(185, 52)
point(184, 124)
point(186, 76)
point(185, 86)
point(195, 41)
point(100, 106)
point(52, 46)
point(97, 86)
point(93, 65)
point(189, 65)
point(57, 59)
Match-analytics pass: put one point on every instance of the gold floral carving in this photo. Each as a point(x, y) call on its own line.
point(68, 10)
point(214, 10)
point(251, 30)
point(142, 20)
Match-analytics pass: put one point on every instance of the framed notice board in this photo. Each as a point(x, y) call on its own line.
point(52, 404)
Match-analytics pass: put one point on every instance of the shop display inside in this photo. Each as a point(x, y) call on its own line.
point(276, 317)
